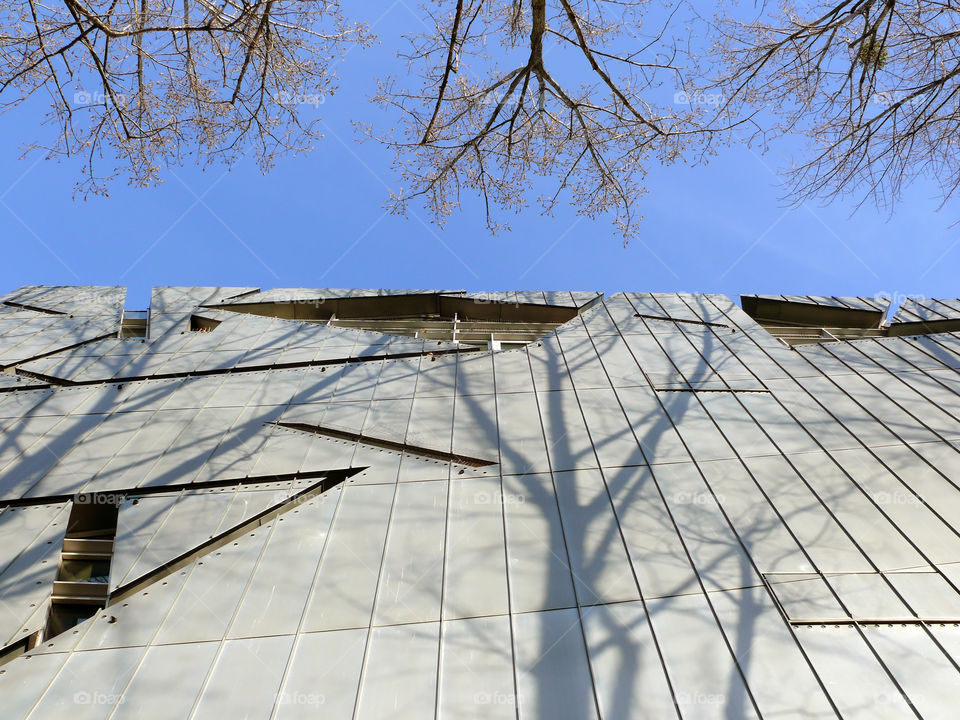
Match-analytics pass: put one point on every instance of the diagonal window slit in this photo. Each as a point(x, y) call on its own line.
point(683, 321)
point(329, 481)
point(81, 588)
point(83, 579)
point(388, 444)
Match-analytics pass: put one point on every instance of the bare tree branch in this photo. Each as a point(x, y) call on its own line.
point(872, 85)
point(587, 99)
point(139, 84)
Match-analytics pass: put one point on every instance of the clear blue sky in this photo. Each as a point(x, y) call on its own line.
point(318, 221)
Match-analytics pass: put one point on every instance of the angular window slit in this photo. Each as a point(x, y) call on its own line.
point(682, 320)
point(198, 323)
point(388, 444)
point(83, 579)
point(81, 588)
point(134, 324)
point(427, 316)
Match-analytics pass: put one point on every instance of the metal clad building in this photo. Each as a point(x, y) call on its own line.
point(368, 504)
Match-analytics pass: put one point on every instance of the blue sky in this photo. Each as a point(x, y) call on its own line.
point(318, 221)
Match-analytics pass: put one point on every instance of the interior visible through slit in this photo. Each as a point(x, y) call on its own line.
point(134, 324)
point(428, 316)
point(800, 323)
point(82, 585)
point(83, 578)
point(198, 323)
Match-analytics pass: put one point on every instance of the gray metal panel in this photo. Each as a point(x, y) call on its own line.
point(411, 578)
point(245, 678)
point(568, 443)
point(153, 530)
point(929, 594)
point(213, 589)
point(31, 539)
point(553, 679)
point(189, 453)
point(311, 685)
point(522, 448)
point(350, 565)
point(819, 532)
point(548, 366)
point(918, 666)
point(856, 681)
point(86, 459)
point(512, 370)
point(475, 426)
point(695, 507)
point(22, 684)
point(614, 442)
point(780, 679)
point(770, 541)
point(861, 516)
point(628, 670)
point(476, 669)
point(707, 681)
point(601, 569)
point(768, 468)
point(923, 309)
point(540, 577)
point(475, 556)
point(164, 667)
point(438, 376)
point(277, 594)
point(88, 685)
point(658, 557)
point(137, 619)
point(431, 422)
point(408, 690)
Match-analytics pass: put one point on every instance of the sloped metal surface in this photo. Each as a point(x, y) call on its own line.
point(89, 301)
point(30, 542)
point(927, 310)
point(682, 518)
point(853, 303)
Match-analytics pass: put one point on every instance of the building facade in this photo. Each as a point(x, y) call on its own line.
point(368, 504)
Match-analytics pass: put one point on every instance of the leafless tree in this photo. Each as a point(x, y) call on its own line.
point(137, 84)
point(504, 91)
point(873, 85)
point(577, 98)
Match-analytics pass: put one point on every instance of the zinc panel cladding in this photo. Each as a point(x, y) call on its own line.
point(654, 510)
